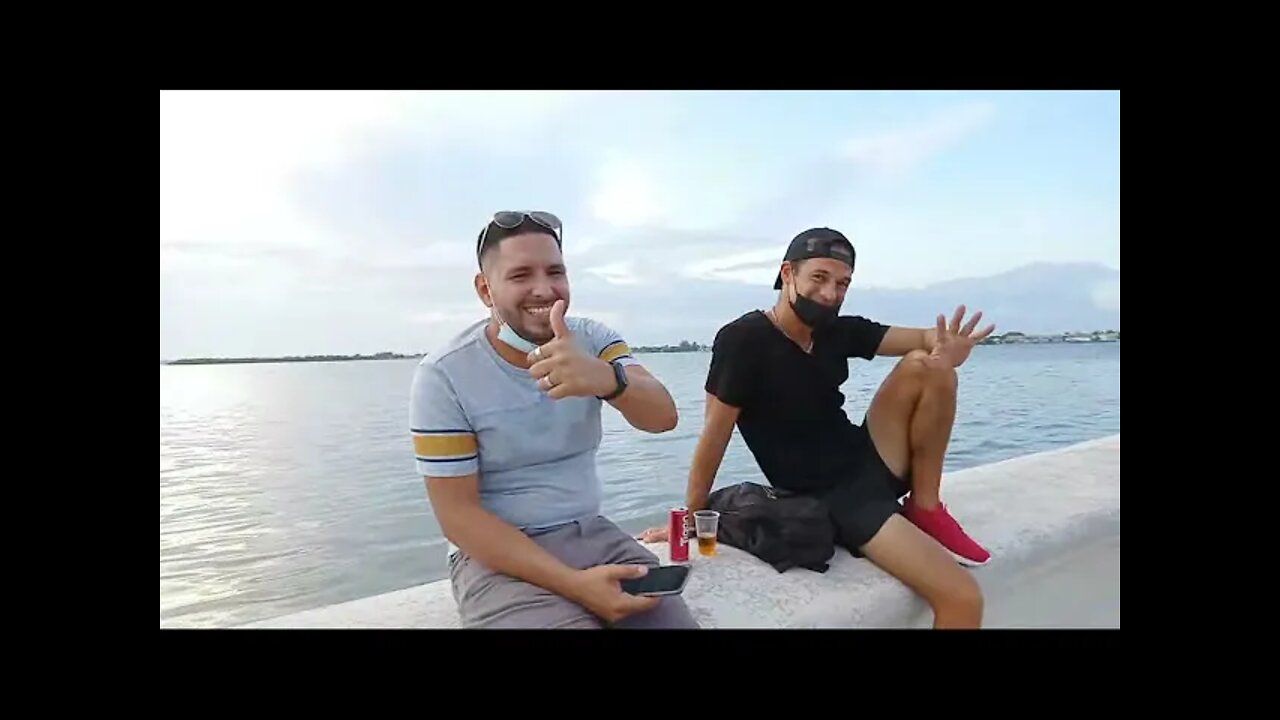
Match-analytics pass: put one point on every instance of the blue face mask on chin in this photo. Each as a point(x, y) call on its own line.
point(509, 336)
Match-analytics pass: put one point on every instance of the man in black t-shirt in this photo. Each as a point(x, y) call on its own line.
point(777, 374)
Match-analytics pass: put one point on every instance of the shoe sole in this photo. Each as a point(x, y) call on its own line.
point(968, 562)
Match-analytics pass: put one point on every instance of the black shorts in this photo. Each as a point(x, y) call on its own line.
point(865, 498)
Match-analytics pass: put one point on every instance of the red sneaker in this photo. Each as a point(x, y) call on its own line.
point(939, 524)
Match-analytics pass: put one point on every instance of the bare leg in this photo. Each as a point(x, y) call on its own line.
point(907, 553)
point(931, 425)
point(910, 423)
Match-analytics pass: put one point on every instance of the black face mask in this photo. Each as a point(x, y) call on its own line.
point(813, 313)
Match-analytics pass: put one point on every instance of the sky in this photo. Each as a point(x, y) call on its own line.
point(344, 222)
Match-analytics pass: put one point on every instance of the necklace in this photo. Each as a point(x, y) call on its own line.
point(807, 348)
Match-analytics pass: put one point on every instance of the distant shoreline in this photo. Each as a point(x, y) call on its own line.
point(1012, 338)
point(290, 359)
point(1017, 338)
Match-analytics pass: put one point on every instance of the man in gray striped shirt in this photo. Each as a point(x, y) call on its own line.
point(506, 425)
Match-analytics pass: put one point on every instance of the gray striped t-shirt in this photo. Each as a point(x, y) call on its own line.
point(473, 412)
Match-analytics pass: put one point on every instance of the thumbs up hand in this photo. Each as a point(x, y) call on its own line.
point(563, 370)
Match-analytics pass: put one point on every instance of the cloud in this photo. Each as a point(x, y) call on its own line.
point(626, 194)
point(659, 257)
point(448, 319)
point(1106, 296)
point(619, 273)
point(895, 154)
point(374, 199)
point(332, 167)
point(815, 189)
point(321, 222)
point(751, 267)
point(647, 223)
point(209, 141)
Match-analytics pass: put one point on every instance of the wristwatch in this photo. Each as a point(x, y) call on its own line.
point(620, 374)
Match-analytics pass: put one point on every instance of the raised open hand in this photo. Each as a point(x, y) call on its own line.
point(563, 370)
point(954, 342)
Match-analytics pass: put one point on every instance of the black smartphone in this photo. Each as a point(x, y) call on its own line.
point(659, 581)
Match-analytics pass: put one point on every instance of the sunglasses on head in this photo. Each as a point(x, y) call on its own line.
point(511, 219)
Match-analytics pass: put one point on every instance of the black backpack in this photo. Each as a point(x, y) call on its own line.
point(783, 529)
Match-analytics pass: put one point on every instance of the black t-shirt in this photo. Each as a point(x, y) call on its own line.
point(792, 411)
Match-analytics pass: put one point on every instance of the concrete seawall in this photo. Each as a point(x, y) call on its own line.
point(1051, 520)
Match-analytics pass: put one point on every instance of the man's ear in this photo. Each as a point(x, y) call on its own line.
point(482, 290)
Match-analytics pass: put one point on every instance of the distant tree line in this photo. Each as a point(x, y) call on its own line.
point(684, 346)
point(1018, 338)
point(292, 359)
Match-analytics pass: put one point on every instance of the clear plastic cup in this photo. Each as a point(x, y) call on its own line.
point(706, 524)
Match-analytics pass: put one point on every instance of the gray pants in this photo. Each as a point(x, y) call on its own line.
point(487, 599)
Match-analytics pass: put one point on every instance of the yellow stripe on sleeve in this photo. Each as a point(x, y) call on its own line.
point(442, 445)
point(615, 351)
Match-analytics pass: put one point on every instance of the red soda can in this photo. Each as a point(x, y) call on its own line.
point(677, 537)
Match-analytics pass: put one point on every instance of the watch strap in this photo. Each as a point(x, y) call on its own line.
point(620, 375)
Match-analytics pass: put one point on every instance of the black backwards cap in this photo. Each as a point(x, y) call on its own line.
point(818, 243)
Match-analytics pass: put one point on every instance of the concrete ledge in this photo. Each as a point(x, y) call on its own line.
point(1051, 521)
